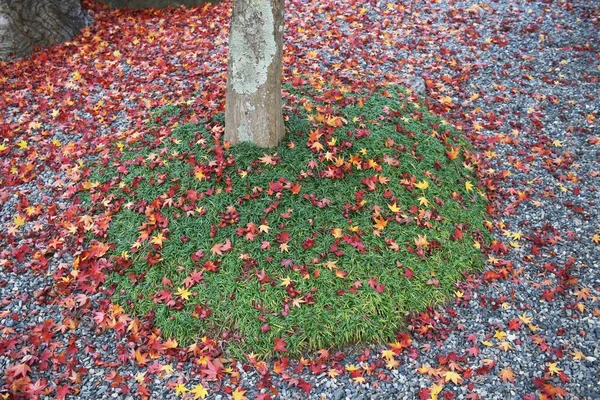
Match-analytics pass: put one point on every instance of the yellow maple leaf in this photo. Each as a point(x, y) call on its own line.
point(286, 282)
point(421, 241)
point(238, 394)
point(200, 175)
point(526, 319)
point(140, 377)
point(469, 186)
point(158, 239)
point(19, 220)
point(264, 228)
point(388, 354)
point(505, 346)
point(435, 390)
point(553, 368)
point(392, 363)
point(199, 391)
point(500, 335)
point(423, 369)
point(167, 369)
point(332, 373)
point(578, 355)
point(596, 238)
point(394, 208)
point(423, 201)
point(183, 293)
point(331, 265)
point(453, 376)
point(180, 389)
point(422, 185)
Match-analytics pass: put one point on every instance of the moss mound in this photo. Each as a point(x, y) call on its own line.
point(366, 211)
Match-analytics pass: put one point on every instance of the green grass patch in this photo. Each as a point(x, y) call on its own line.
point(359, 217)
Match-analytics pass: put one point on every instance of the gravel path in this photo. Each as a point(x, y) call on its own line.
point(521, 78)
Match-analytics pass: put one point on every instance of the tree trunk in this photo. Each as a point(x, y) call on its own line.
point(28, 24)
point(253, 103)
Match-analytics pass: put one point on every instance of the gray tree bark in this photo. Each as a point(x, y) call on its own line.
point(28, 24)
point(253, 103)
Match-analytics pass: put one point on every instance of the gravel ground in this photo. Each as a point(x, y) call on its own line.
point(523, 81)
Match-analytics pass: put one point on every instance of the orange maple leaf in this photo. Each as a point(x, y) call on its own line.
point(507, 375)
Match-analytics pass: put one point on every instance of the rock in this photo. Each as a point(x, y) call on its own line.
point(338, 394)
point(417, 84)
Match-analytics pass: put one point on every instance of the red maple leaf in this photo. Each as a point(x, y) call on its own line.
point(280, 345)
point(425, 394)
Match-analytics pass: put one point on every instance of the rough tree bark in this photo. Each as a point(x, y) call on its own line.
point(27, 24)
point(253, 103)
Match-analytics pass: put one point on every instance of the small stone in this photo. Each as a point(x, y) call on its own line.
point(338, 394)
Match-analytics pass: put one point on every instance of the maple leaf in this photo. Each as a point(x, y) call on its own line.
point(267, 159)
point(452, 154)
point(280, 345)
point(388, 354)
point(220, 248)
point(63, 391)
point(394, 208)
point(578, 355)
point(170, 344)
point(422, 185)
point(141, 358)
point(183, 293)
point(36, 389)
point(380, 223)
point(286, 281)
point(199, 391)
point(158, 239)
point(453, 376)
point(332, 373)
point(469, 186)
point(18, 220)
point(20, 370)
point(408, 273)
point(553, 368)
point(425, 394)
point(421, 241)
point(525, 318)
point(238, 394)
point(507, 375)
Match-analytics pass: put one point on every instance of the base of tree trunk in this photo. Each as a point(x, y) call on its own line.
point(26, 25)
